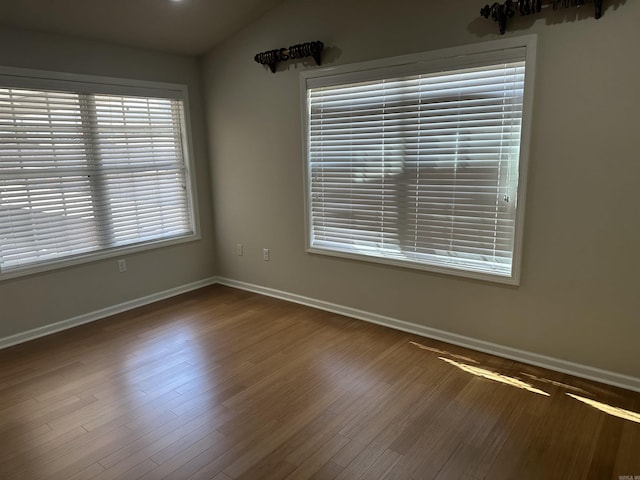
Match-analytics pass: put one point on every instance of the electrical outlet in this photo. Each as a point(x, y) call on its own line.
point(266, 255)
point(239, 249)
point(122, 265)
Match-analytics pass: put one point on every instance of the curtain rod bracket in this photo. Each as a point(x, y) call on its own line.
point(501, 12)
point(301, 50)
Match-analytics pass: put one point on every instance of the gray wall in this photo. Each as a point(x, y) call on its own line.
point(579, 295)
point(37, 300)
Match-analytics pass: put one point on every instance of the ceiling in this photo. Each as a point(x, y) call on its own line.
point(186, 26)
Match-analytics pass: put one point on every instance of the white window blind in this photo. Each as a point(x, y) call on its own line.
point(84, 172)
point(419, 169)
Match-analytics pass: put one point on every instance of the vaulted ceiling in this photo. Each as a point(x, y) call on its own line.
point(182, 26)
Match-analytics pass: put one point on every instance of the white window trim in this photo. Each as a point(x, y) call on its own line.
point(81, 83)
point(435, 61)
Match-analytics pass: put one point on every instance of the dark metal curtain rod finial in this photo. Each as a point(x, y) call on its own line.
point(501, 12)
point(301, 50)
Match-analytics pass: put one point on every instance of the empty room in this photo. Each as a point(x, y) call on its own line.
point(302, 239)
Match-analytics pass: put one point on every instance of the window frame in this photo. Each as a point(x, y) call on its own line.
point(12, 77)
point(466, 56)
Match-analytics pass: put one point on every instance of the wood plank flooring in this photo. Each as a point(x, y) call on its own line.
point(221, 384)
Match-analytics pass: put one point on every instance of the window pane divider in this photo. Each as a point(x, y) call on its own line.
point(90, 167)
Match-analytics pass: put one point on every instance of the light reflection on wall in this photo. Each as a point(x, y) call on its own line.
point(603, 407)
point(496, 377)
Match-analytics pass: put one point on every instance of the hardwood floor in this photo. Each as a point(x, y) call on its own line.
point(222, 384)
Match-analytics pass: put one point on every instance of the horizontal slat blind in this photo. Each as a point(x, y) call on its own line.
point(139, 149)
point(422, 168)
point(85, 173)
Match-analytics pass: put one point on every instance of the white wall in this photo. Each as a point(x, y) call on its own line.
point(37, 300)
point(579, 297)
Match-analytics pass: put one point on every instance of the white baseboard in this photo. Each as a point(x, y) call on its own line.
point(578, 370)
point(103, 313)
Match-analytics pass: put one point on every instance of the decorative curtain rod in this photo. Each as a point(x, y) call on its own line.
point(302, 50)
point(501, 12)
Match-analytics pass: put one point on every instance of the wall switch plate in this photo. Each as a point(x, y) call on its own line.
point(122, 265)
point(239, 249)
point(266, 255)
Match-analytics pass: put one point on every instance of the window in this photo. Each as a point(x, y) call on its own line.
point(420, 160)
point(89, 168)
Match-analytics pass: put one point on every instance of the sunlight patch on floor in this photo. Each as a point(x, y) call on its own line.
point(443, 352)
point(603, 407)
point(553, 382)
point(496, 377)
